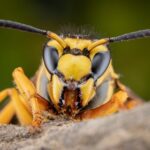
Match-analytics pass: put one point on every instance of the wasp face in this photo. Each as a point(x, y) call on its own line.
point(74, 73)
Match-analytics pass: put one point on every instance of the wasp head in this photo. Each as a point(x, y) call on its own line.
point(74, 72)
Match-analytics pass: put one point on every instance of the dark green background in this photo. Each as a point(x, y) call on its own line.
point(109, 18)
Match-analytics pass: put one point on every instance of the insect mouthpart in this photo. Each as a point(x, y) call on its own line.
point(70, 101)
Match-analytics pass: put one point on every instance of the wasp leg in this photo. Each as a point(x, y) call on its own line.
point(15, 106)
point(28, 91)
point(7, 113)
point(133, 100)
point(117, 100)
point(23, 114)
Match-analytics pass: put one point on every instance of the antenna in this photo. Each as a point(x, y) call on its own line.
point(120, 38)
point(131, 36)
point(28, 28)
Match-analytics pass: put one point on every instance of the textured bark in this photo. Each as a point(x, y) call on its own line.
point(122, 131)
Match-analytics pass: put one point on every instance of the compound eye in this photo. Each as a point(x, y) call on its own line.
point(50, 57)
point(100, 63)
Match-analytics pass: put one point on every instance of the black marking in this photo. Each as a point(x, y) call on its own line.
point(66, 50)
point(85, 78)
point(78, 103)
point(60, 75)
point(62, 100)
point(76, 51)
point(86, 52)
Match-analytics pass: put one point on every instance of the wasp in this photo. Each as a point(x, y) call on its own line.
point(76, 79)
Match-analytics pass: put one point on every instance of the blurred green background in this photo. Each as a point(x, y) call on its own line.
point(109, 18)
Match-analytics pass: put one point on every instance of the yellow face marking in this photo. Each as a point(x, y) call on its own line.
point(55, 90)
point(74, 67)
point(87, 91)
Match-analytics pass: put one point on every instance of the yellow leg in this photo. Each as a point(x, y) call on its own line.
point(15, 106)
point(23, 115)
point(3, 94)
point(28, 91)
point(133, 100)
point(7, 113)
point(117, 100)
